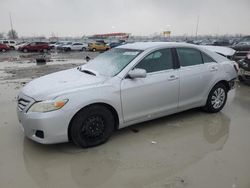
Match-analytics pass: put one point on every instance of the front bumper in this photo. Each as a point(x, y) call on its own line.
point(53, 125)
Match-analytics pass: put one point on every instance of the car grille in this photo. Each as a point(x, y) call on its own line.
point(22, 104)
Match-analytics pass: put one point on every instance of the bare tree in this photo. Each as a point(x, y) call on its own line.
point(12, 34)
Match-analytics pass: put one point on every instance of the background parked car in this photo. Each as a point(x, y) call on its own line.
point(244, 69)
point(61, 46)
point(244, 39)
point(20, 44)
point(35, 47)
point(4, 47)
point(10, 43)
point(222, 42)
point(241, 51)
point(206, 42)
point(75, 47)
point(98, 46)
point(115, 44)
point(54, 45)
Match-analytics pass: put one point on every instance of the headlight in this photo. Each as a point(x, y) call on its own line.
point(47, 106)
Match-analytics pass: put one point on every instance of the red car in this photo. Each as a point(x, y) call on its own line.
point(35, 47)
point(4, 47)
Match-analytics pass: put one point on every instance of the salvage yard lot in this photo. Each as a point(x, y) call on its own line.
point(189, 149)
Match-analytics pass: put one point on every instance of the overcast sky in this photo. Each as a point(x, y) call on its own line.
point(139, 17)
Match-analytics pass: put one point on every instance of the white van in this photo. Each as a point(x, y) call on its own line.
point(10, 43)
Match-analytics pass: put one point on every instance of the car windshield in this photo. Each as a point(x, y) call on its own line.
point(112, 62)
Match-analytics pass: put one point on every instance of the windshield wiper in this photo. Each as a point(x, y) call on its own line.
point(86, 71)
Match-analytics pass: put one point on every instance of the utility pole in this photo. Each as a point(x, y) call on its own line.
point(197, 26)
point(11, 26)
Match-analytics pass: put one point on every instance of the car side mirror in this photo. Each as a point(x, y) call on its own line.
point(137, 73)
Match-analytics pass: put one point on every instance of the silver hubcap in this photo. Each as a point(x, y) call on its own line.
point(218, 98)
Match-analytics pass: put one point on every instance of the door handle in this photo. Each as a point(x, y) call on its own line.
point(213, 69)
point(172, 77)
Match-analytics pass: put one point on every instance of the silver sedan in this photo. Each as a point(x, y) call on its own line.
point(126, 85)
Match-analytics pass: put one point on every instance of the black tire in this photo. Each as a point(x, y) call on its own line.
point(83, 49)
point(215, 104)
point(93, 49)
point(25, 50)
point(92, 126)
point(3, 50)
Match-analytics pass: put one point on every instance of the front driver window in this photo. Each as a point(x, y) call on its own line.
point(157, 61)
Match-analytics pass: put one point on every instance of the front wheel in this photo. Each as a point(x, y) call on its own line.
point(216, 99)
point(92, 126)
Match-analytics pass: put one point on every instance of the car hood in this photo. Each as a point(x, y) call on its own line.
point(59, 83)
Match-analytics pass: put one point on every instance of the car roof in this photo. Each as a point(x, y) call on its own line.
point(151, 45)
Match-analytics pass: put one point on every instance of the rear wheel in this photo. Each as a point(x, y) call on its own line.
point(92, 126)
point(83, 49)
point(25, 50)
point(45, 50)
point(216, 99)
point(3, 50)
point(93, 49)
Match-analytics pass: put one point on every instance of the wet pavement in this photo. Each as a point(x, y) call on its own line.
point(191, 149)
point(54, 55)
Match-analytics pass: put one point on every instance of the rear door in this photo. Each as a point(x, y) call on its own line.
point(32, 46)
point(145, 98)
point(77, 46)
point(194, 78)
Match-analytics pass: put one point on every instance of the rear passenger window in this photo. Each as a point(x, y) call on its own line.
point(206, 58)
point(157, 61)
point(189, 57)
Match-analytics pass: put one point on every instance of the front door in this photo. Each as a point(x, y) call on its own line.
point(157, 93)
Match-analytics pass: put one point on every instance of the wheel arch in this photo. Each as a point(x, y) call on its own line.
point(225, 83)
point(108, 106)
